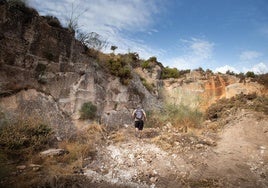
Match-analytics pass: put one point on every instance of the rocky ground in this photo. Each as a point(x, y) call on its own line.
point(233, 155)
point(236, 156)
point(227, 152)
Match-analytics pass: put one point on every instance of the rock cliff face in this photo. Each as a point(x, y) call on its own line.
point(45, 71)
point(199, 89)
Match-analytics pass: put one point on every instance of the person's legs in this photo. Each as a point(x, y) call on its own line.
point(140, 128)
point(136, 128)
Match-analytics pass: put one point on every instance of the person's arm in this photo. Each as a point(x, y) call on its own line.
point(145, 118)
point(133, 114)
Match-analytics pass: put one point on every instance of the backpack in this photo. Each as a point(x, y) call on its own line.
point(139, 114)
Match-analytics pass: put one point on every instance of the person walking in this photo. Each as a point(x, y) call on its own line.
point(139, 117)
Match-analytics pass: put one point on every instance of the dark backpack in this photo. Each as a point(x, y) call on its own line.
point(139, 114)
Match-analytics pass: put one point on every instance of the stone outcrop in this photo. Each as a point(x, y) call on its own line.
point(200, 90)
point(43, 65)
point(44, 69)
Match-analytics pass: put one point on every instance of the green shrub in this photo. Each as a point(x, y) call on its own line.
point(150, 63)
point(152, 59)
point(88, 111)
point(131, 59)
point(230, 72)
point(200, 69)
point(170, 73)
point(146, 65)
point(121, 69)
point(178, 115)
point(183, 72)
point(250, 74)
point(148, 86)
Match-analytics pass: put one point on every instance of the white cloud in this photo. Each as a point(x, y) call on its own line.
point(110, 19)
point(249, 55)
point(197, 53)
point(226, 68)
point(260, 68)
point(201, 48)
point(120, 14)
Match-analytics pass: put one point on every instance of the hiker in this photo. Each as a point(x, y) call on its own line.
point(139, 116)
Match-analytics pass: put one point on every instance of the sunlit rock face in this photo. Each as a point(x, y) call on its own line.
point(200, 90)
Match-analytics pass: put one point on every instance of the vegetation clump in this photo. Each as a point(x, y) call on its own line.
point(179, 116)
point(88, 111)
point(150, 63)
point(24, 137)
point(53, 21)
point(148, 86)
point(170, 73)
point(224, 107)
point(131, 58)
point(263, 79)
point(120, 68)
point(173, 73)
point(146, 65)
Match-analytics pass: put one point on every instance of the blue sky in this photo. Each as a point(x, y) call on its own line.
point(219, 35)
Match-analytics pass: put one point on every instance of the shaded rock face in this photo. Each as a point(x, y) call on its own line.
point(36, 105)
point(48, 60)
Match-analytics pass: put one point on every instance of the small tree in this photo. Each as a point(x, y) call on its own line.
point(250, 74)
point(152, 59)
point(113, 48)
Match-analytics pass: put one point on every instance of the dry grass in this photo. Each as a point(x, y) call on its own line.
point(16, 144)
point(226, 107)
point(170, 140)
point(21, 141)
point(118, 136)
point(224, 110)
point(83, 144)
point(179, 116)
point(24, 137)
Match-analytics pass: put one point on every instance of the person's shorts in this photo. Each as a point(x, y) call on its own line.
point(139, 124)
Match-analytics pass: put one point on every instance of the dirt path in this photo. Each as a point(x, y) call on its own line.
point(240, 158)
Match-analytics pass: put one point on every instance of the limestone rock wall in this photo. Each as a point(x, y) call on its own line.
point(199, 90)
point(39, 59)
point(44, 68)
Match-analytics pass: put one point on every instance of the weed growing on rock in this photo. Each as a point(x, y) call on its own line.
point(88, 111)
point(147, 85)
